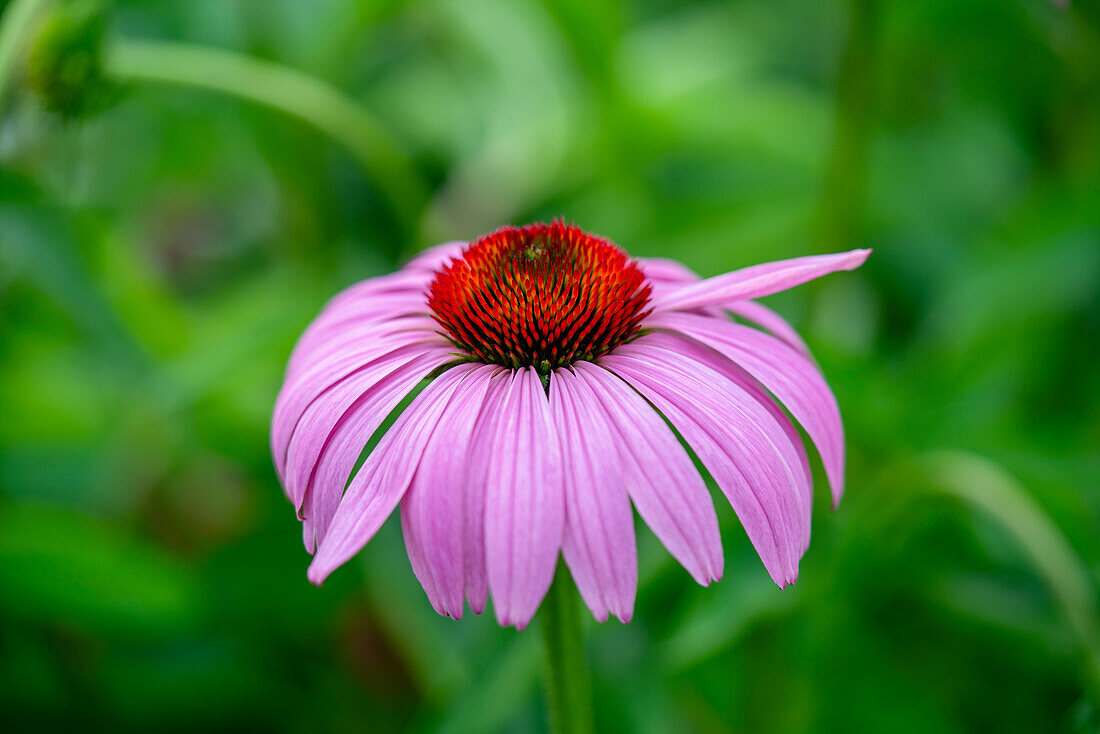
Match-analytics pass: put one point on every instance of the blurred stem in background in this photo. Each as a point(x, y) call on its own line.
point(567, 679)
point(287, 90)
point(984, 485)
point(844, 187)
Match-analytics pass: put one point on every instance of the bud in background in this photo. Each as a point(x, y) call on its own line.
point(65, 66)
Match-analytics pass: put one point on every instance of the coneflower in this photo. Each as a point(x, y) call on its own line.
point(561, 371)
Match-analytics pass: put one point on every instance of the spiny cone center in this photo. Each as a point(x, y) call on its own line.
point(544, 295)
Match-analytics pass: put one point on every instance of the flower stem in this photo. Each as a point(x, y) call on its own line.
point(567, 678)
point(288, 90)
point(16, 20)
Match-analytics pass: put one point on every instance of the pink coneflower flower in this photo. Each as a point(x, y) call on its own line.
point(558, 368)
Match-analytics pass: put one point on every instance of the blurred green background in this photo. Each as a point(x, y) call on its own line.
point(164, 240)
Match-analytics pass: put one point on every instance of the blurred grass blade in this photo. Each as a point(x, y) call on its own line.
point(986, 486)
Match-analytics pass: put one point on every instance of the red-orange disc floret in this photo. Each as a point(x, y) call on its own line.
point(544, 295)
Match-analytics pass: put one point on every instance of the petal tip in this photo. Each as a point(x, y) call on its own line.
point(510, 618)
point(860, 256)
point(320, 568)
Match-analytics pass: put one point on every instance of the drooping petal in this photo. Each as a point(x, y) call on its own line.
point(404, 312)
point(481, 455)
point(361, 334)
point(301, 389)
point(378, 298)
point(384, 477)
point(744, 448)
point(337, 456)
point(433, 509)
point(433, 258)
point(662, 271)
point(756, 281)
point(785, 372)
point(800, 473)
point(720, 364)
point(598, 541)
point(660, 477)
point(765, 318)
point(365, 365)
point(804, 478)
point(524, 505)
point(309, 408)
point(401, 283)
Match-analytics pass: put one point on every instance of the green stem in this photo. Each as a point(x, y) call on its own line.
point(567, 678)
point(290, 91)
point(14, 24)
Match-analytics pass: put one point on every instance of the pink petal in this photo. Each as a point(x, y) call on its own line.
point(349, 434)
point(401, 283)
point(598, 541)
point(336, 384)
point(302, 388)
point(357, 334)
point(524, 505)
point(434, 258)
point(484, 434)
point(661, 271)
point(764, 317)
point(737, 438)
point(380, 298)
point(660, 476)
point(783, 371)
point(384, 477)
point(669, 274)
point(433, 509)
point(803, 479)
point(756, 281)
point(333, 326)
point(666, 276)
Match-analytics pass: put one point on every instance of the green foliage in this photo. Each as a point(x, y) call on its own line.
point(159, 258)
point(65, 65)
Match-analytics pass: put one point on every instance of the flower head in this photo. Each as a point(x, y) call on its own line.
point(558, 369)
point(544, 295)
